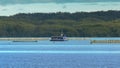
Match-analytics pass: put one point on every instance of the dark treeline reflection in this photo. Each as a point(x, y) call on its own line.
point(79, 24)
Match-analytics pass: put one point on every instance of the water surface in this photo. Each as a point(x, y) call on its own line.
point(64, 54)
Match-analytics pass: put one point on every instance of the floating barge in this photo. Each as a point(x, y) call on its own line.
point(20, 39)
point(25, 40)
point(104, 41)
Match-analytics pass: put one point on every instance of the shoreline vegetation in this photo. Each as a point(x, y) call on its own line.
point(79, 24)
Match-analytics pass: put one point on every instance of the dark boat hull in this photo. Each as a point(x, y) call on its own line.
point(58, 40)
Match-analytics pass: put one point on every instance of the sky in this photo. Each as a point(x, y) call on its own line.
point(11, 7)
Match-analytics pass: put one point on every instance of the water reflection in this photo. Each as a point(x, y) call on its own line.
point(63, 52)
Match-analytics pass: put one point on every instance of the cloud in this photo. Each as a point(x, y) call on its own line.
point(6, 2)
point(3, 9)
point(53, 7)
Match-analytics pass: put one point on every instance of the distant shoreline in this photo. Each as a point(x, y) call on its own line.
point(38, 38)
point(48, 38)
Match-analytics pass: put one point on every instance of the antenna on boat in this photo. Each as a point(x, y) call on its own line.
point(62, 34)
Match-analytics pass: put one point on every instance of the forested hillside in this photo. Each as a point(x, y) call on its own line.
point(79, 24)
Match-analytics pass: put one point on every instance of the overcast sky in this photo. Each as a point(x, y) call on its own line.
point(11, 7)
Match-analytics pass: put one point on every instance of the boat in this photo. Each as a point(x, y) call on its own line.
point(59, 38)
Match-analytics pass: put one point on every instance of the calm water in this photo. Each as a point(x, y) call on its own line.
point(67, 54)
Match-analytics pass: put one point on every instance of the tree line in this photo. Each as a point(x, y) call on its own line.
point(79, 24)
